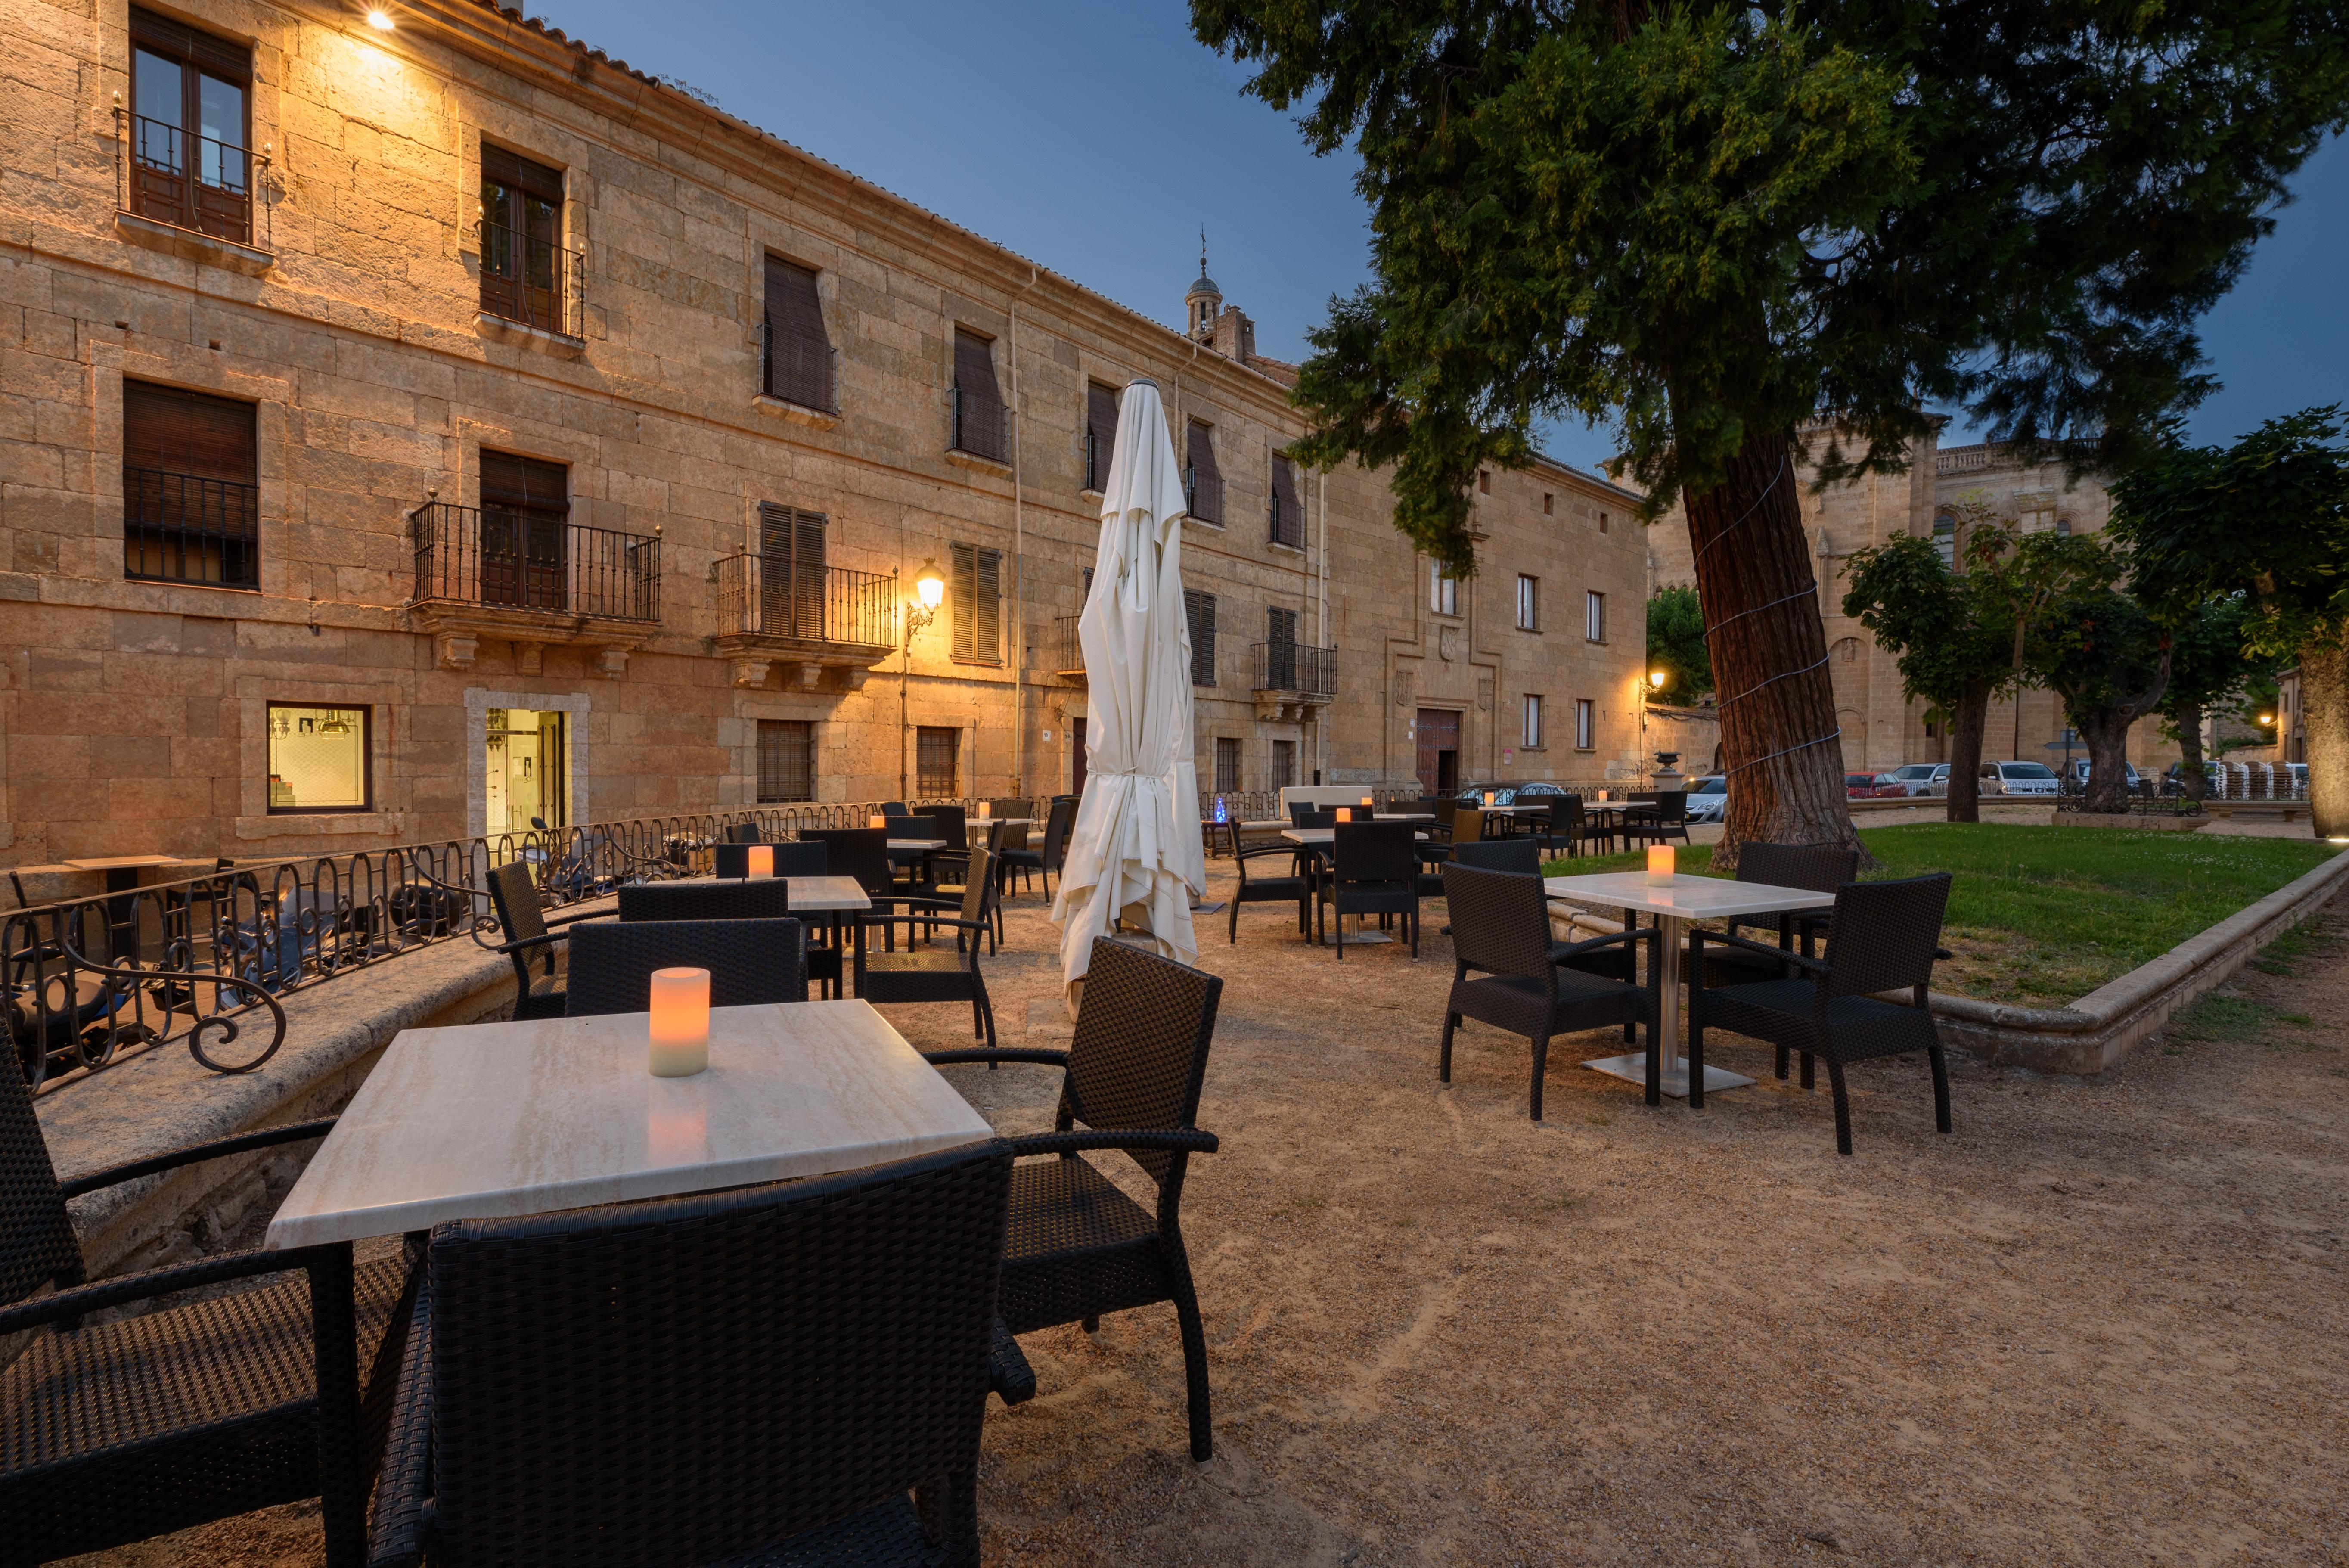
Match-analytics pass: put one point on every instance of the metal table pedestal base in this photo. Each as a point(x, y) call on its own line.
point(1633, 1067)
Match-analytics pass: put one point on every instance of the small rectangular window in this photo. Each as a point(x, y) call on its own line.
point(976, 585)
point(938, 763)
point(1586, 724)
point(317, 759)
point(1533, 721)
point(1529, 603)
point(1594, 617)
point(1228, 765)
point(1101, 434)
point(1442, 590)
point(1203, 482)
point(1602, 522)
point(191, 503)
point(1548, 501)
point(1287, 511)
point(1484, 482)
point(786, 759)
point(979, 426)
point(527, 275)
point(799, 349)
point(1284, 763)
point(1200, 610)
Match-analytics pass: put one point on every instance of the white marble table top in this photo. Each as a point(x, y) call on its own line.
point(917, 843)
point(1322, 834)
point(491, 1120)
point(122, 862)
point(986, 821)
point(820, 893)
point(1402, 815)
point(1685, 898)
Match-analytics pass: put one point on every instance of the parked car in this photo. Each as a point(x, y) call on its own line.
point(2018, 778)
point(2075, 781)
point(1871, 786)
point(1917, 778)
point(1708, 798)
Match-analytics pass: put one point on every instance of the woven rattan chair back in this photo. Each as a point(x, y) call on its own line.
point(892, 808)
point(1518, 856)
point(1056, 832)
point(1500, 923)
point(1818, 867)
point(1671, 804)
point(922, 827)
point(1298, 810)
point(1885, 934)
point(1313, 816)
point(950, 822)
point(978, 887)
point(750, 962)
point(859, 852)
point(1467, 824)
point(764, 899)
point(515, 897)
point(37, 1246)
point(1139, 1053)
point(822, 1347)
point(801, 859)
point(740, 832)
point(1373, 852)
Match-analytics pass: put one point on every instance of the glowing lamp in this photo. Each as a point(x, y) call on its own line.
point(379, 19)
point(1656, 677)
point(1366, 801)
point(1490, 797)
point(1344, 814)
point(679, 1023)
point(2267, 718)
point(930, 584)
point(982, 810)
point(763, 860)
point(876, 820)
point(1602, 797)
point(1660, 863)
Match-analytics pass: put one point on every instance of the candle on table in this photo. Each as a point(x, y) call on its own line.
point(1366, 800)
point(876, 820)
point(1602, 797)
point(678, 1024)
point(1345, 814)
point(1660, 862)
point(982, 808)
point(763, 859)
point(1490, 797)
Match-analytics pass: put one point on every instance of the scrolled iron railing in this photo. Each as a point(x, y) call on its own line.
point(518, 559)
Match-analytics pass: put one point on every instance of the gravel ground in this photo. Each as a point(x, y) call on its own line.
point(2104, 1322)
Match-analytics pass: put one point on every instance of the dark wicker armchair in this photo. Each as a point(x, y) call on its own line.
point(1520, 855)
point(934, 974)
point(740, 832)
point(732, 861)
point(1814, 868)
point(1372, 871)
point(1045, 860)
point(1528, 984)
point(820, 1377)
point(750, 962)
point(1885, 938)
point(113, 1432)
point(1262, 886)
point(1079, 1247)
point(527, 941)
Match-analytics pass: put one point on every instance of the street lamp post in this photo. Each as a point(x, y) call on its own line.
point(1656, 679)
point(929, 592)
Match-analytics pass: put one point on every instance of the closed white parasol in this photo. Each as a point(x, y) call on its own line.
point(1133, 853)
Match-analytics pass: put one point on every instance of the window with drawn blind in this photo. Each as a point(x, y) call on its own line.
point(980, 427)
point(1101, 434)
point(790, 571)
point(798, 350)
point(975, 582)
point(1200, 610)
point(786, 759)
point(191, 500)
point(1284, 764)
point(1203, 482)
point(1287, 511)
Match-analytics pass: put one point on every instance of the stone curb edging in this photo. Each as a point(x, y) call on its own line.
point(2104, 1026)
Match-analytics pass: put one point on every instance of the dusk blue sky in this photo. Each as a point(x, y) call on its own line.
point(1098, 138)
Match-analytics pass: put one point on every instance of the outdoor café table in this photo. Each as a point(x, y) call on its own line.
point(832, 896)
point(1674, 904)
point(1319, 841)
point(488, 1121)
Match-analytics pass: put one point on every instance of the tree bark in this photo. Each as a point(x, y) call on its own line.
point(1968, 718)
point(2105, 733)
point(2194, 782)
point(1761, 599)
point(2324, 722)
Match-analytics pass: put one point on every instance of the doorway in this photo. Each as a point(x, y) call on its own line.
point(1076, 756)
point(524, 777)
point(1439, 750)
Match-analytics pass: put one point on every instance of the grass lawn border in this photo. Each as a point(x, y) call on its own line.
point(2104, 1026)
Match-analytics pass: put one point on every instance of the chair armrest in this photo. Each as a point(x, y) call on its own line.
point(1188, 1140)
point(911, 900)
point(1699, 938)
point(1008, 1372)
point(519, 944)
point(292, 1132)
point(83, 1300)
point(402, 1521)
point(997, 1054)
point(919, 919)
point(1612, 938)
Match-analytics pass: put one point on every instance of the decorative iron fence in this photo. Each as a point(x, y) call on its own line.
point(530, 560)
point(183, 528)
point(532, 280)
point(185, 179)
point(1295, 667)
point(778, 598)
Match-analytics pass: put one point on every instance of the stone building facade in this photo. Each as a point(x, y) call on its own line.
point(405, 433)
point(1881, 728)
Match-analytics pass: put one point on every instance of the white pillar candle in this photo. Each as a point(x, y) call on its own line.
point(1344, 814)
point(982, 808)
point(1490, 797)
point(763, 859)
point(876, 820)
point(679, 1023)
point(1366, 801)
point(1660, 862)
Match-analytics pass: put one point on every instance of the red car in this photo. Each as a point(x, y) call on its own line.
point(1872, 786)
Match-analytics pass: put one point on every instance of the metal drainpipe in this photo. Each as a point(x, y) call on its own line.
point(1019, 562)
point(1321, 618)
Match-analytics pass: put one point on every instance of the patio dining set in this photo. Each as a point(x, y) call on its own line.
point(545, 1296)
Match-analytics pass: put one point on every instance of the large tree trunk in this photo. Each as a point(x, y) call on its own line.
point(2324, 722)
point(2192, 780)
point(1970, 717)
point(2106, 732)
point(1754, 579)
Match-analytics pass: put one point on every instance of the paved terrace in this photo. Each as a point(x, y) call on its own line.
point(2104, 1322)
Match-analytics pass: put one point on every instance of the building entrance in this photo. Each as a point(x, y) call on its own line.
point(1439, 750)
point(526, 774)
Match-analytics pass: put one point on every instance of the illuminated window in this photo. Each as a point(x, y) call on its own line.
point(317, 759)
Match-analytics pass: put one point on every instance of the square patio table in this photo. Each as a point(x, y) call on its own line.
point(1316, 837)
point(489, 1121)
point(1674, 904)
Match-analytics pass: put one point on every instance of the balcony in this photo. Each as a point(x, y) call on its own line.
point(186, 192)
point(532, 282)
point(777, 614)
point(1292, 680)
point(532, 578)
point(1065, 652)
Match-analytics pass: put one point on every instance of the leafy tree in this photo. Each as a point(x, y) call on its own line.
point(1676, 645)
point(1712, 223)
point(2268, 518)
point(2210, 677)
point(2095, 645)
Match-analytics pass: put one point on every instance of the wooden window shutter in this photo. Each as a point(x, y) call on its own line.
point(177, 40)
point(799, 350)
point(511, 481)
point(1282, 624)
point(978, 401)
point(1199, 609)
point(511, 168)
point(1287, 511)
point(179, 432)
point(1207, 479)
point(1101, 429)
point(790, 571)
point(974, 579)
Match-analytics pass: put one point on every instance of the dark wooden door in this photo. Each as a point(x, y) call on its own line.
point(1439, 750)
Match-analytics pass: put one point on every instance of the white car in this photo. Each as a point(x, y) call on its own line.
point(1708, 798)
point(1918, 778)
point(2018, 778)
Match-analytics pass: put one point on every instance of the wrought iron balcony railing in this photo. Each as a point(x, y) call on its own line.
point(510, 559)
point(180, 528)
point(1295, 667)
point(189, 180)
point(1066, 653)
point(758, 598)
point(532, 280)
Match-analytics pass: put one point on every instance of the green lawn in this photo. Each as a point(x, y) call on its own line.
point(2043, 915)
